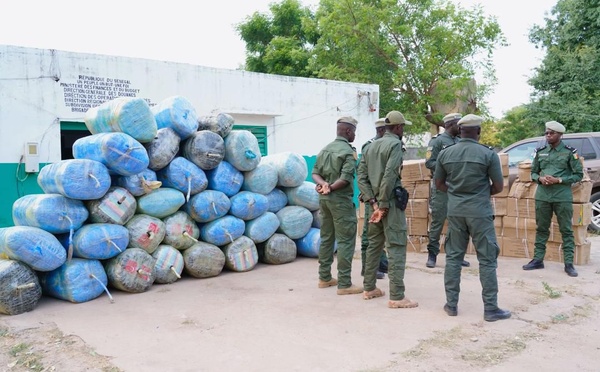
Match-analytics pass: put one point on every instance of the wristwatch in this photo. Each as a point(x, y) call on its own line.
point(559, 180)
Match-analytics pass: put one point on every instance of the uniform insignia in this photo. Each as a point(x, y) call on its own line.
point(428, 153)
point(539, 149)
point(446, 146)
point(573, 150)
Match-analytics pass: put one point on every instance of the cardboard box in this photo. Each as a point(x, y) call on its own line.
point(517, 247)
point(582, 191)
point(581, 256)
point(417, 244)
point(523, 190)
point(417, 208)
point(524, 171)
point(418, 189)
point(582, 214)
point(417, 226)
point(499, 206)
point(523, 208)
point(504, 163)
point(415, 170)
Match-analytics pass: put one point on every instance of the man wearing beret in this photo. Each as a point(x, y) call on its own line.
point(334, 172)
point(555, 167)
point(439, 200)
point(378, 179)
point(364, 241)
point(464, 171)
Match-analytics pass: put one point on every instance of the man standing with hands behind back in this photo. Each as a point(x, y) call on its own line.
point(334, 173)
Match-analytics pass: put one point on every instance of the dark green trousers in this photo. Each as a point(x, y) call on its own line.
point(439, 209)
point(364, 244)
point(338, 223)
point(543, 217)
point(481, 230)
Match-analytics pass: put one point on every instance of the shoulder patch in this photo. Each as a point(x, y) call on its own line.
point(487, 147)
point(571, 148)
point(446, 146)
point(540, 148)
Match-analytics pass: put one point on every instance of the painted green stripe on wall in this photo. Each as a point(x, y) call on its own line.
point(12, 187)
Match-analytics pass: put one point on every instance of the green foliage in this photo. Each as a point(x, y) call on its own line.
point(518, 123)
point(551, 292)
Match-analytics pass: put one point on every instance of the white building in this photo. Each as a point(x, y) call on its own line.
point(44, 95)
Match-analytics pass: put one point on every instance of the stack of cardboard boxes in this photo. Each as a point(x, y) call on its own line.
point(416, 179)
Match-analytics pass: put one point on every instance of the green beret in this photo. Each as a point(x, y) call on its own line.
point(452, 116)
point(348, 120)
point(555, 126)
point(396, 118)
point(471, 120)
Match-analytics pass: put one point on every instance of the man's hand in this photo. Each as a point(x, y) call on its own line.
point(323, 189)
point(378, 215)
point(548, 180)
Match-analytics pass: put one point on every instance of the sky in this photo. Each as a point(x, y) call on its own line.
point(205, 35)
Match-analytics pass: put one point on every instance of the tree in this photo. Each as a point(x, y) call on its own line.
point(517, 124)
point(567, 83)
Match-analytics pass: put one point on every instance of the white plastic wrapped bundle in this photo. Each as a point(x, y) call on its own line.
point(277, 200)
point(220, 124)
point(141, 183)
point(205, 149)
point(225, 178)
point(82, 179)
point(261, 228)
point(278, 249)
point(131, 271)
point(183, 175)
point(181, 232)
point(223, 230)
point(304, 195)
point(203, 260)
point(20, 289)
point(116, 206)
point(169, 264)
point(241, 150)
point(78, 280)
point(100, 241)
point(54, 213)
point(124, 114)
point(160, 203)
point(33, 246)
point(241, 255)
point(207, 206)
point(308, 245)
point(316, 219)
point(294, 221)
point(120, 152)
point(145, 232)
point(261, 179)
point(248, 205)
point(163, 148)
point(177, 113)
point(291, 168)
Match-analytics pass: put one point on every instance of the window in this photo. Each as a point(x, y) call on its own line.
point(583, 145)
point(521, 152)
point(69, 133)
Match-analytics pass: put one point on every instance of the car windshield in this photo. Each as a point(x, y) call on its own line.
point(521, 152)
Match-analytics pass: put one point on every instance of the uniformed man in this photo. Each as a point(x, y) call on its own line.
point(439, 200)
point(334, 172)
point(364, 241)
point(378, 179)
point(464, 171)
point(555, 167)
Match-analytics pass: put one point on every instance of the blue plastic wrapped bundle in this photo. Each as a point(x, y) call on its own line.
point(116, 206)
point(181, 231)
point(207, 206)
point(20, 288)
point(78, 280)
point(317, 219)
point(183, 175)
point(141, 183)
point(294, 221)
point(261, 228)
point(169, 264)
point(220, 123)
point(54, 213)
point(82, 179)
point(308, 245)
point(160, 203)
point(203, 260)
point(291, 168)
point(177, 113)
point(205, 149)
point(241, 255)
point(304, 195)
point(163, 148)
point(99, 241)
point(241, 150)
point(278, 249)
point(33, 246)
point(248, 205)
point(277, 200)
point(131, 271)
point(120, 152)
point(145, 232)
point(124, 114)
point(261, 179)
point(225, 178)
point(223, 230)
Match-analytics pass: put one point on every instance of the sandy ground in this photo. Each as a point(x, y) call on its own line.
point(274, 318)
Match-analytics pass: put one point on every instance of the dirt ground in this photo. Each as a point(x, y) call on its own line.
point(274, 318)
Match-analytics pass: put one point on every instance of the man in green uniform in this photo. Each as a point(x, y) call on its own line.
point(378, 180)
point(555, 167)
point(364, 241)
point(439, 200)
point(464, 171)
point(334, 173)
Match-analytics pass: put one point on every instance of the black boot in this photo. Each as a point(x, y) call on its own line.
point(450, 310)
point(493, 315)
point(431, 258)
point(534, 264)
point(570, 270)
point(465, 263)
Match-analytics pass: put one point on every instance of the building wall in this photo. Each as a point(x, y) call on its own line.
point(41, 88)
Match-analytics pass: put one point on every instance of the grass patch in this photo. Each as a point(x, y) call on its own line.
point(551, 292)
point(4, 332)
point(497, 351)
point(18, 349)
point(440, 339)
